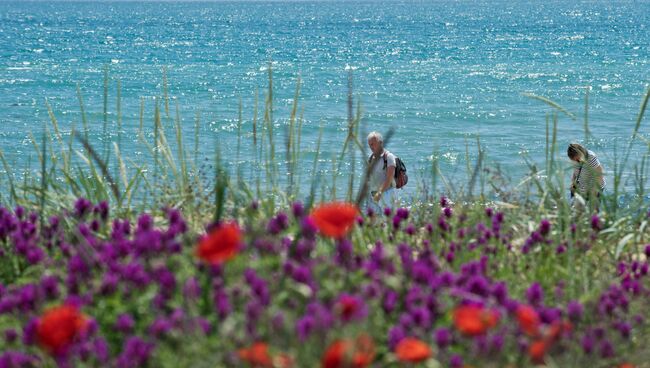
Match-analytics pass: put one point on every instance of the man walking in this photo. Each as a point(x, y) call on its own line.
point(381, 181)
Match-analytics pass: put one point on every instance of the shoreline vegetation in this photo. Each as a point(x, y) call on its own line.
point(109, 262)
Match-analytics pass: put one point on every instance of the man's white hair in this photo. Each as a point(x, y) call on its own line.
point(376, 135)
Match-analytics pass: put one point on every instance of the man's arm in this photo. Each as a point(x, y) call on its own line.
point(390, 173)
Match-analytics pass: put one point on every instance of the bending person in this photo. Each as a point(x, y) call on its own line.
point(587, 179)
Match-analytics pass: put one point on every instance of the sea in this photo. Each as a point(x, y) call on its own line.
point(447, 78)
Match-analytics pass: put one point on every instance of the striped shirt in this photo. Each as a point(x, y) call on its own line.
point(585, 174)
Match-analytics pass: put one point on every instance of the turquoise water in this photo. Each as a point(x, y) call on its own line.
point(440, 72)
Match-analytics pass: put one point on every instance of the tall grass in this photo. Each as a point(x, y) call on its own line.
point(168, 176)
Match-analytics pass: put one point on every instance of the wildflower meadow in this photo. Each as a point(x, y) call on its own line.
point(181, 266)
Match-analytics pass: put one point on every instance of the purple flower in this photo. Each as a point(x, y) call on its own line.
point(35, 255)
point(100, 346)
point(387, 211)
point(625, 329)
point(124, 323)
point(160, 327)
point(550, 315)
point(450, 257)
point(500, 291)
point(145, 223)
point(478, 285)
point(574, 310)
point(11, 359)
point(278, 223)
point(406, 255)
point(444, 202)
point(421, 272)
point(587, 343)
point(265, 245)
point(390, 301)
point(606, 349)
point(344, 255)
point(191, 289)
point(544, 227)
point(11, 335)
point(410, 229)
point(166, 279)
point(442, 337)
point(406, 321)
point(81, 207)
point(222, 304)
point(308, 227)
point(421, 317)
point(135, 353)
point(204, 325)
point(456, 361)
point(29, 331)
point(402, 213)
point(297, 209)
point(109, 284)
point(27, 297)
point(497, 342)
point(304, 327)
point(535, 294)
point(302, 274)
point(595, 222)
point(396, 221)
point(448, 212)
point(50, 287)
point(442, 224)
point(77, 265)
point(395, 335)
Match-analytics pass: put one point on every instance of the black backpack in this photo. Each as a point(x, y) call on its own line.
point(400, 171)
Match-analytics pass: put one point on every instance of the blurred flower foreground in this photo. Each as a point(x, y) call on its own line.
point(326, 286)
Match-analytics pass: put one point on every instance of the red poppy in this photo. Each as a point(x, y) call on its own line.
point(58, 327)
point(257, 355)
point(348, 306)
point(528, 320)
point(221, 244)
point(625, 365)
point(364, 351)
point(335, 356)
point(537, 350)
point(472, 320)
point(557, 329)
point(412, 350)
point(349, 354)
point(335, 219)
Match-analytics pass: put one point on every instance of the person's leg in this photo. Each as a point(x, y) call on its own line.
point(372, 205)
point(389, 198)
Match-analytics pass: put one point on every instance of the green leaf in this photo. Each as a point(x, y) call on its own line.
point(621, 244)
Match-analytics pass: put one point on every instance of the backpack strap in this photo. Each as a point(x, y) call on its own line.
point(383, 156)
